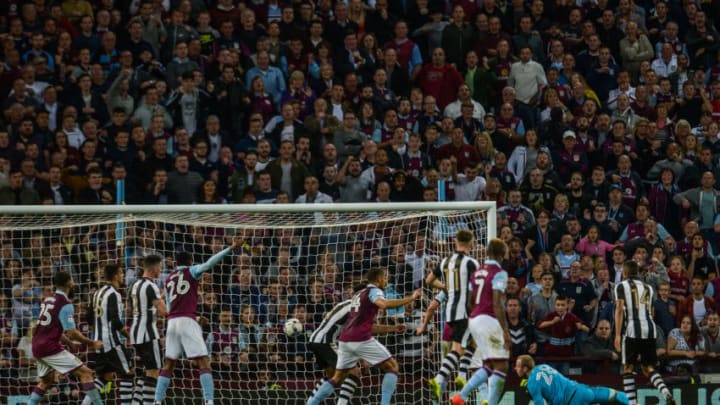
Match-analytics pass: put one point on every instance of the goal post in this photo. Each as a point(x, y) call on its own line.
point(297, 261)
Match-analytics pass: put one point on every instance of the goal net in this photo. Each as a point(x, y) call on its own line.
point(297, 261)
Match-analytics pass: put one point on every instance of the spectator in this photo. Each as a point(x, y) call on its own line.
point(15, 193)
point(95, 192)
point(699, 263)
point(527, 77)
point(464, 96)
point(665, 309)
point(200, 163)
point(522, 334)
point(703, 214)
point(581, 292)
point(26, 294)
point(592, 245)
point(600, 345)
point(150, 106)
point(189, 104)
point(712, 344)
point(222, 344)
point(562, 327)
point(182, 184)
point(312, 194)
point(696, 305)
point(250, 334)
point(287, 173)
point(686, 341)
point(540, 305)
point(272, 77)
point(440, 79)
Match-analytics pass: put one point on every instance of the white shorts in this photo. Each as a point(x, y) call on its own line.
point(489, 338)
point(184, 335)
point(63, 362)
point(349, 353)
point(476, 361)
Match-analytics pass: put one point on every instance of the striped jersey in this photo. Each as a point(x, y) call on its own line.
point(638, 298)
point(108, 314)
point(329, 329)
point(454, 271)
point(142, 294)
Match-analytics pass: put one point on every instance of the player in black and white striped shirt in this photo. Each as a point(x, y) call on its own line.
point(324, 338)
point(453, 276)
point(633, 310)
point(108, 320)
point(146, 303)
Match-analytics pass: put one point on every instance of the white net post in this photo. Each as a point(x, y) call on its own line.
point(298, 260)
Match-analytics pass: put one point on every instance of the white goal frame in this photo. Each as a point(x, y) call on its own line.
point(39, 217)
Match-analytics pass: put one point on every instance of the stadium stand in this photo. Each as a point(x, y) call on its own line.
point(594, 125)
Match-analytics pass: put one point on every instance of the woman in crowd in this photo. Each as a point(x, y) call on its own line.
point(523, 157)
point(684, 345)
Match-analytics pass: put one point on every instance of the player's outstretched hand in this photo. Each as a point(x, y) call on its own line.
point(417, 293)
point(420, 330)
point(97, 344)
point(400, 328)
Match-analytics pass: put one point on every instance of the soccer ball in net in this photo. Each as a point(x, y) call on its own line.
point(293, 327)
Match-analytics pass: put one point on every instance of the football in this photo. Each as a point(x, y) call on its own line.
point(293, 327)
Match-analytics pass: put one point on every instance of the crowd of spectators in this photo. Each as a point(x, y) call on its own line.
point(594, 125)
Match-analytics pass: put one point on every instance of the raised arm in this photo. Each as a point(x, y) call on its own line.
point(199, 269)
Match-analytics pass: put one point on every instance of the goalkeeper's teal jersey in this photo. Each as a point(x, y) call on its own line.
point(547, 384)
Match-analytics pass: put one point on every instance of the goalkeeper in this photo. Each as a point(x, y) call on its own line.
point(545, 384)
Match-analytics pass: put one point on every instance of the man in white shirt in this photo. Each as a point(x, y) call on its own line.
point(453, 110)
point(527, 77)
point(313, 195)
point(469, 185)
point(666, 64)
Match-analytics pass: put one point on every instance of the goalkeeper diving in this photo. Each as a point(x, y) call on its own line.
point(546, 385)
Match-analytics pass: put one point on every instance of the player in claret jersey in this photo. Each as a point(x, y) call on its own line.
point(488, 325)
point(184, 334)
point(356, 342)
point(56, 324)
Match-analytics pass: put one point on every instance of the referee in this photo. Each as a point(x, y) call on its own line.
point(633, 310)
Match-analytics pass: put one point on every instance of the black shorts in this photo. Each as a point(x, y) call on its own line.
point(113, 361)
point(149, 353)
point(638, 350)
point(460, 332)
point(325, 356)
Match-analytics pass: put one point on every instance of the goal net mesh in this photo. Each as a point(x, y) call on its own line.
point(292, 265)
